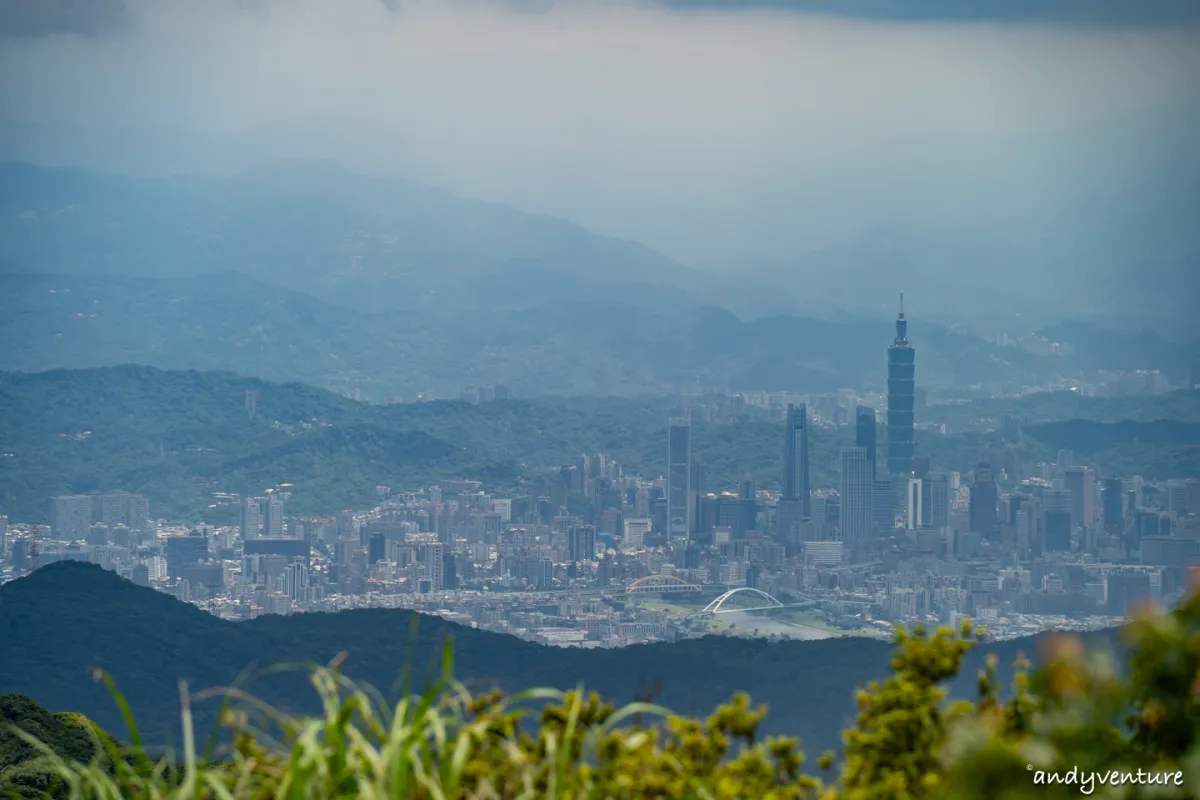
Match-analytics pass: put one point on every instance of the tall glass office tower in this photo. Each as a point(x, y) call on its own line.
point(796, 480)
point(864, 434)
point(679, 478)
point(901, 400)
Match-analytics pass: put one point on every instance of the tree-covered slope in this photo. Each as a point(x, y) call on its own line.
point(1156, 450)
point(23, 769)
point(149, 641)
point(1033, 409)
point(180, 436)
point(1090, 718)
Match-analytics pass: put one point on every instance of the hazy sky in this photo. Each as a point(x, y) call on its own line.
point(721, 138)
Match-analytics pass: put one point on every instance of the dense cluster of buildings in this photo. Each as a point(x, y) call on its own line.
point(554, 560)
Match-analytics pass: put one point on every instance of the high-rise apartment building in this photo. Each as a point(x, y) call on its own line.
point(503, 507)
point(921, 470)
point(901, 401)
point(856, 486)
point(1056, 531)
point(121, 508)
point(680, 506)
point(110, 509)
point(883, 503)
point(1113, 500)
point(433, 557)
point(1193, 495)
point(985, 501)
point(1177, 499)
point(1029, 526)
point(914, 508)
point(865, 435)
point(1080, 482)
point(296, 581)
point(272, 516)
point(581, 543)
point(796, 481)
point(70, 517)
point(184, 551)
point(789, 521)
point(635, 533)
point(1056, 500)
point(250, 518)
point(377, 548)
point(938, 490)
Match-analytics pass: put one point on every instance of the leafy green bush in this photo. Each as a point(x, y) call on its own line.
point(1075, 726)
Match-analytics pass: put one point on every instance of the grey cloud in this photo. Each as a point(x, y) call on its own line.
point(1098, 12)
point(32, 19)
point(36, 18)
point(990, 152)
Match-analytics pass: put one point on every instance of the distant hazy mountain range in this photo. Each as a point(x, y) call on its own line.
point(564, 347)
point(372, 244)
point(303, 271)
point(150, 641)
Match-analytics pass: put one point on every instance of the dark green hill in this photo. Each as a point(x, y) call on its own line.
point(1157, 450)
point(149, 641)
point(70, 734)
point(1180, 406)
point(66, 732)
point(179, 436)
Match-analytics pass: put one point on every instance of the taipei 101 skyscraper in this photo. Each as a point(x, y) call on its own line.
point(901, 400)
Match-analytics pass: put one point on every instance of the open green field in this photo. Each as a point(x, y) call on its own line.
point(798, 624)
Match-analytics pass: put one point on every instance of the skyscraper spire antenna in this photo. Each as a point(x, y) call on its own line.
point(901, 325)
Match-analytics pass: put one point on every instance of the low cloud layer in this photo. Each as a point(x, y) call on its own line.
point(37, 18)
point(40, 18)
point(728, 139)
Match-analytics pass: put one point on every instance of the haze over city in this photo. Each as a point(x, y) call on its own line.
point(1049, 160)
point(697, 353)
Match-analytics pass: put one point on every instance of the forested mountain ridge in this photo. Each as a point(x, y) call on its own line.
point(809, 686)
point(180, 436)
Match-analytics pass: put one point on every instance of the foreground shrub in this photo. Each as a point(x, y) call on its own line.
point(1074, 727)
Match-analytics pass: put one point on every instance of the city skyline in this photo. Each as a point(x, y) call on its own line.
point(592, 523)
point(362, 337)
